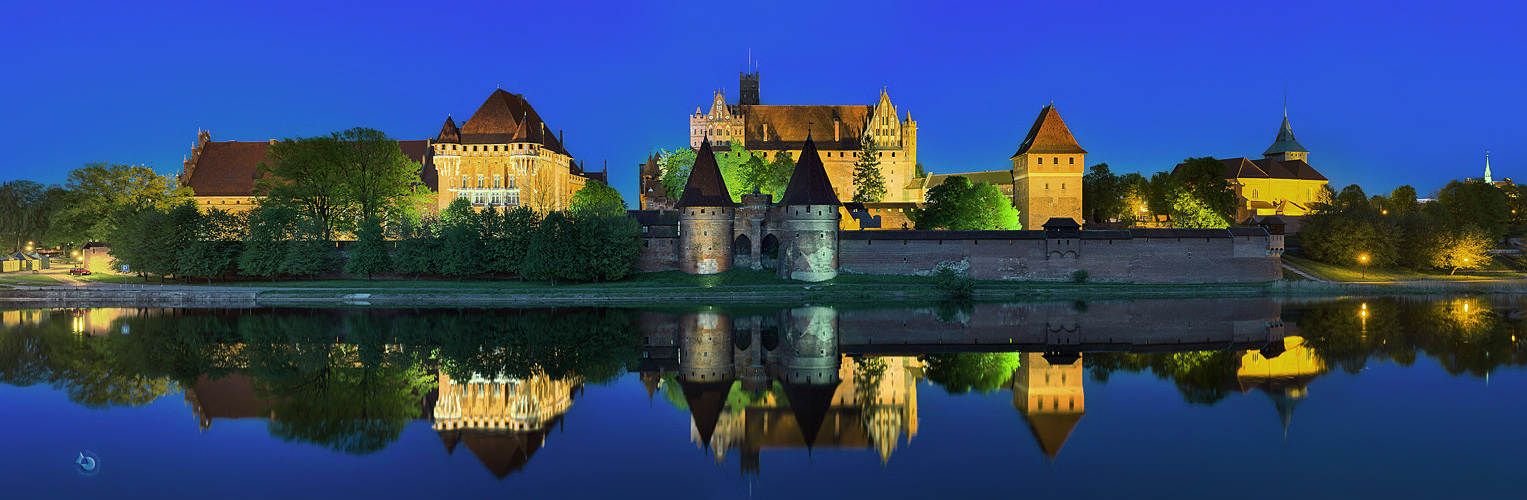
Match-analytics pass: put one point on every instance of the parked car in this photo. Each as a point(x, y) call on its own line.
point(79, 271)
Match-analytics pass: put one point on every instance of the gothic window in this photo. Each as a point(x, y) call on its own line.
point(479, 182)
point(514, 199)
point(497, 182)
point(511, 182)
point(464, 181)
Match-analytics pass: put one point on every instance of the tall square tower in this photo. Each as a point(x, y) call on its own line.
point(1047, 172)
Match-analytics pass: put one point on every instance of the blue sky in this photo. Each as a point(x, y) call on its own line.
point(1382, 93)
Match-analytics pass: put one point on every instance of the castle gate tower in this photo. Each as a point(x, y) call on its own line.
point(808, 212)
point(706, 211)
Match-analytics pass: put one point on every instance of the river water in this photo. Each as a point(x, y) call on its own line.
point(1260, 398)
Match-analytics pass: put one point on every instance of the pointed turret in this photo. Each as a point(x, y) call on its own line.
point(522, 131)
point(706, 401)
point(1285, 143)
point(1049, 135)
point(706, 187)
point(449, 134)
point(809, 184)
point(810, 404)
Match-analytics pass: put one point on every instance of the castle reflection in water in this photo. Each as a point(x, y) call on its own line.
point(753, 382)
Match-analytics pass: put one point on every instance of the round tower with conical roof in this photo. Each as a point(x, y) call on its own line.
point(706, 213)
point(808, 215)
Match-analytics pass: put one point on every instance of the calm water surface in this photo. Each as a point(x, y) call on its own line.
point(1258, 398)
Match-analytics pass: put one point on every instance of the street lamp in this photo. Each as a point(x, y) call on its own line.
point(1363, 261)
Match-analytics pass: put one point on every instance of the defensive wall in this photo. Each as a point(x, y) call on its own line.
point(1141, 255)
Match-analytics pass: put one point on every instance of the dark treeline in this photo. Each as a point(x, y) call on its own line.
point(1455, 231)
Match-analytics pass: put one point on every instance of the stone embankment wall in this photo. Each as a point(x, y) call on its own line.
point(1236, 255)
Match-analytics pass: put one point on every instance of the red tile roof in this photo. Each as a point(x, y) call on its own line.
point(229, 168)
point(449, 134)
point(788, 126)
point(1244, 168)
point(1049, 135)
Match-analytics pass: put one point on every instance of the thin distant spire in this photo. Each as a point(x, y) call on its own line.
point(1285, 100)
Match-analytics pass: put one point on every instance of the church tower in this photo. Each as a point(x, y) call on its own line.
point(747, 89)
point(706, 213)
point(1488, 178)
point(1284, 147)
point(1047, 172)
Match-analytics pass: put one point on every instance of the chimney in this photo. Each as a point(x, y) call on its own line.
point(559, 138)
point(836, 136)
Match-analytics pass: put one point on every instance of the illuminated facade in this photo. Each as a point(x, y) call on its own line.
point(506, 156)
point(771, 129)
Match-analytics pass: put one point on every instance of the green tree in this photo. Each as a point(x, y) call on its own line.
point(1204, 179)
point(1477, 203)
point(216, 243)
point(597, 198)
point(675, 166)
point(1136, 198)
point(1353, 198)
point(958, 205)
point(869, 183)
point(609, 246)
point(381, 179)
point(508, 239)
point(1190, 212)
point(265, 245)
point(27, 211)
point(1402, 201)
point(418, 247)
point(462, 251)
point(97, 191)
point(1103, 195)
point(1467, 248)
point(554, 249)
point(310, 253)
point(368, 255)
point(918, 172)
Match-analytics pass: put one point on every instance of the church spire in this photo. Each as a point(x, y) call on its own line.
point(1488, 179)
point(1285, 142)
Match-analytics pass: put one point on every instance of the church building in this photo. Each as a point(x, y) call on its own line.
point(1281, 183)
point(838, 129)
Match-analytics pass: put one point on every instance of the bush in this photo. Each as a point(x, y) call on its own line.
point(1079, 276)
point(954, 284)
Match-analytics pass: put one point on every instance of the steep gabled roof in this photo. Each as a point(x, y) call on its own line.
point(499, 119)
point(789, 126)
point(1049, 135)
point(809, 184)
point(449, 134)
point(706, 187)
point(1285, 142)
point(227, 168)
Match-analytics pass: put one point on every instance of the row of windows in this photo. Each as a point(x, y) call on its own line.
point(495, 148)
point(510, 199)
point(1056, 160)
point(466, 182)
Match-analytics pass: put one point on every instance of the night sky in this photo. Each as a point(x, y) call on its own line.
point(1382, 93)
